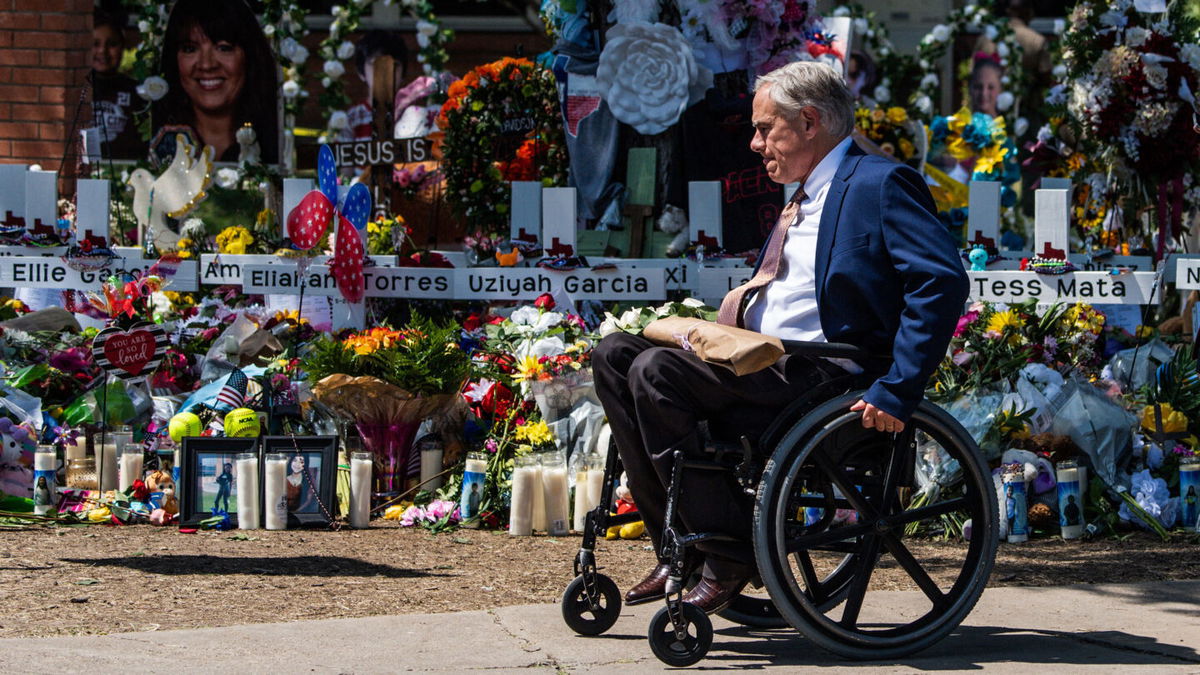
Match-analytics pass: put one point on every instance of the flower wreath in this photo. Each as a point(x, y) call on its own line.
point(1008, 53)
point(476, 108)
point(335, 48)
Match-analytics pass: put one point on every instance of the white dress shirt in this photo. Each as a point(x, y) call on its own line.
point(787, 307)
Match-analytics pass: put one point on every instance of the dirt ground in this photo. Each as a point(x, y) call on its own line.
point(118, 579)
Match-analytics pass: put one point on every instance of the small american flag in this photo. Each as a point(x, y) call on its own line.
point(233, 394)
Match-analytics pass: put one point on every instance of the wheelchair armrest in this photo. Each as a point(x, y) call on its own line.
point(839, 350)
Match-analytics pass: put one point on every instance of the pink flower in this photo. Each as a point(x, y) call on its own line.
point(413, 515)
point(962, 358)
point(491, 445)
point(964, 321)
point(440, 508)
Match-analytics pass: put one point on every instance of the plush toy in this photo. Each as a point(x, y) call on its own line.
point(248, 150)
point(674, 221)
point(17, 445)
point(625, 504)
point(162, 492)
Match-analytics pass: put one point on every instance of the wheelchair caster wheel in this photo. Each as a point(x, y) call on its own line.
point(579, 613)
point(670, 649)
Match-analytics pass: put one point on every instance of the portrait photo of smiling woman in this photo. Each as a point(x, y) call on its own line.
point(221, 75)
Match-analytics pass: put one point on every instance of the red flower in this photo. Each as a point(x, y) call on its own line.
point(544, 301)
point(497, 400)
point(472, 323)
point(140, 491)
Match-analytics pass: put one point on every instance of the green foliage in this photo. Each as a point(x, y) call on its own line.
point(1177, 384)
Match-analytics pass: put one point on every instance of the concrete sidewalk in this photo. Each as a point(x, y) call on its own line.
point(1136, 627)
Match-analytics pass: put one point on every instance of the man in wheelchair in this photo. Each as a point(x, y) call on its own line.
point(858, 256)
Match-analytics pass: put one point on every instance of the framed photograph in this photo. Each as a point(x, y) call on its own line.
point(208, 477)
point(311, 476)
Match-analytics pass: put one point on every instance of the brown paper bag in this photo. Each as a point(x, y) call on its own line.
point(737, 349)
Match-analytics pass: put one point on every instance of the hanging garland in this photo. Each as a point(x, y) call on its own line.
point(975, 17)
point(502, 123)
point(335, 48)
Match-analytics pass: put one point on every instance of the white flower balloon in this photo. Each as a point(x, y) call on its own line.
point(648, 75)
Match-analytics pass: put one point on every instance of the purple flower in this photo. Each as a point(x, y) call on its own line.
point(491, 445)
point(1051, 345)
point(440, 508)
point(413, 515)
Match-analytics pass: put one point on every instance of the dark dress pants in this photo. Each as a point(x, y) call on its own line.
point(655, 398)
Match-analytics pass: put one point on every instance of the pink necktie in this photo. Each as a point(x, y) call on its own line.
point(730, 313)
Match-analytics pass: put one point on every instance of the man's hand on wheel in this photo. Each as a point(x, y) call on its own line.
point(874, 418)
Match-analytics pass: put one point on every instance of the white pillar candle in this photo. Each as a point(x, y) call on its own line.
point(106, 465)
point(595, 483)
point(538, 514)
point(74, 450)
point(431, 466)
point(45, 483)
point(557, 494)
point(525, 483)
point(131, 463)
point(361, 465)
point(579, 520)
point(274, 477)
point(248, 514)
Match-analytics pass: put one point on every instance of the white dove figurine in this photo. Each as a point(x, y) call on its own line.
point(175, 193)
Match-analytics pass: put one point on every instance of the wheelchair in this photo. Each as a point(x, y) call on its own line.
point(832, 504)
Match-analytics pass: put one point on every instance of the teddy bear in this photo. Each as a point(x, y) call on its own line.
point(17, 445)
point(674, 221)
point(160, 482)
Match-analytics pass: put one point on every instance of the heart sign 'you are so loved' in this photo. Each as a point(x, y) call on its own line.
point(130, 354)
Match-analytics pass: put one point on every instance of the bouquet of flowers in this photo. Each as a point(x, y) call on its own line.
point(981, 145)
point(388, 381)
point(387, 235)
point(891, 130)
point(635, 320)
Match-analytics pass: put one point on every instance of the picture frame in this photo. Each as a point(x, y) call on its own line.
point(320, 462)
point(208, 477)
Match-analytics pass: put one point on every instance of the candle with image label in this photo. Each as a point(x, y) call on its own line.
point(1189, 493)
point(1070, 500)
point(474, 475)
point(274, 491)
point(248, 513)
point(1013, 507)
point(45, 483)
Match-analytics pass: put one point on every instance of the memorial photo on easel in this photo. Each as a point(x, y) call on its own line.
point(309, 476)
point(209, 478)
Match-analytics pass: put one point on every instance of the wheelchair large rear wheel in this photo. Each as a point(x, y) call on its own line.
point(836, 495)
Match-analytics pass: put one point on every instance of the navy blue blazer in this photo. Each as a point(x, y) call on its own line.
point(890, 278)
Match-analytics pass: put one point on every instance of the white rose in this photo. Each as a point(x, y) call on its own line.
point(1191, 53)
point(422, 40)
point(609, 325)
point(526, 315)
point(1044, 134)
point(1001, 49)
point(339, 120)
point(882, 95)
point(861, 26)
point(1020, 126)
point(228, 178)
point(991, 32)
point(300, 55)
point(940, 32)
point(426, 28)
point(648, 75)
point(153, 88)
point(1059, 72)
point(548, 346)
point(693, 302)
point(290, 89)
point(336, 11)
point(924, 105)
point(969, 9)
point(630, 318)
point(345, 50)
point(930, 80)
point(326, 82)
point(143, 26)
point(334, 69)
point(1004, 101)
point(268, 30)
point(547, 321)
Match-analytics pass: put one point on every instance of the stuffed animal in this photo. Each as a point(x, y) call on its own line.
point(17, 445)
point(674, 221)
point(160, 482)
point(625, 504)
point(248, 150)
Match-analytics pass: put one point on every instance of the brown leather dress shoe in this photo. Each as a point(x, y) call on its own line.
point(712, 596)
point(653, 587)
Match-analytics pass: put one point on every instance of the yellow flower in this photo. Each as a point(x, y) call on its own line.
point(234, 240)
point(877, 115)
point(1173, 421)
point(959, 149)
point(577, 346)
point(1001, 321)
point(897, 115)
point(528, 368)
point(959, 120)
point(907, 149)
point(990, 158)
point(536, 433)
point(264, 219)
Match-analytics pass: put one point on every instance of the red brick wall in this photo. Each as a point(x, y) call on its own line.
point(44, 50)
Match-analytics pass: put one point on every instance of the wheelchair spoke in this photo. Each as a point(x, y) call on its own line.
point(896, 466)
point(811, 582)
point(926, 512)
point(827, 537)
point(862, 578)
point(857, 501)
point(910, 564)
